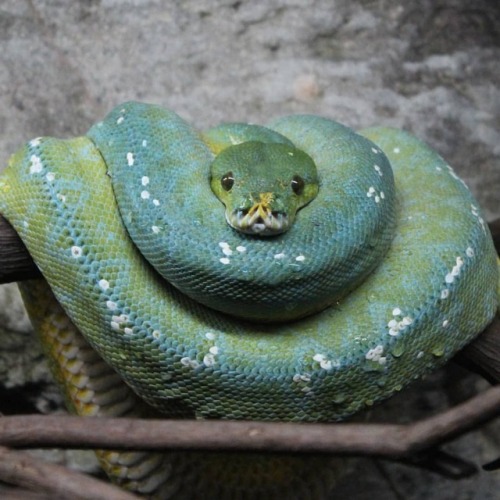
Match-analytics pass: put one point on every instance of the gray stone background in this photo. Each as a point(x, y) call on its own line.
point(429, 66)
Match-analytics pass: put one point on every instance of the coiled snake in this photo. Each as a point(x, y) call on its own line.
point(324, 285)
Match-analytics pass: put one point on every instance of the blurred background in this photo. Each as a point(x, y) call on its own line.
point(428, 66)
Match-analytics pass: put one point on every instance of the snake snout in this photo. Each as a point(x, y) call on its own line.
point(262, 222)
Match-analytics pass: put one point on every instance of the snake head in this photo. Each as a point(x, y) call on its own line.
point(263, 185)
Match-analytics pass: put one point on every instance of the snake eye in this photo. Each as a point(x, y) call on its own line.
point(227, 181)
point(297, 184)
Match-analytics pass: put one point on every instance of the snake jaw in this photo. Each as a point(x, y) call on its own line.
point(259, 218)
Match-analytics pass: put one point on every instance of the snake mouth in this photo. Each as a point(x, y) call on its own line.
point(258, 222)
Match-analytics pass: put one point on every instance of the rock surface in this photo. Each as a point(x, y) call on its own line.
point(430, 67)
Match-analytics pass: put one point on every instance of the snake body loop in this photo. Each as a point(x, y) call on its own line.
point(402, 257)
point(166, 202)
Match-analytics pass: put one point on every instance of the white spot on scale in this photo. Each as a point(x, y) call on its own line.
point(128, 331)
point(445, 323)
point(475, 213)
point(241, 249)
point(375, 355)
point(156, 202)
point(130, 159)
point(455, 272)
point(324, 363)
point(300, 258)
point(36, 164)
point(301, 377)
point(144, 143)
point(50, 176)
point(227, 251)
point(145, 180)
point(122, 318)
point(396, 151)
point(35, 142)
point(224, 260)
point(376, 151)
point(214, 350)
point(209, 360)
point(190, 363)
point(210, 336)
point(61, 197)
point(279, 256)
point(26, 224)
point(420, 355)
point(120, 120)
point(290, 153)
point(223, 244)
point(156, 334)
point(469, 252)
point(104, 284)
point(378, 170)
point(155, 229)
point(112, 306)
point(396, 326)
point(372, 192)
point(445, 294)
point(456, 269)
point(145, 195)
point(76, 252)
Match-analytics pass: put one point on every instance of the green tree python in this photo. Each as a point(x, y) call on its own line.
point(294, 272)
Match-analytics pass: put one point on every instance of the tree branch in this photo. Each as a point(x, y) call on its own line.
point(16, 263)
point(382, 440)
point(24, 470)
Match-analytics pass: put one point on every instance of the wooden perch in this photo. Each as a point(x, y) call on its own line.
point(55, 480)
point(381, 440)
point(16, 263)
point(412, 443)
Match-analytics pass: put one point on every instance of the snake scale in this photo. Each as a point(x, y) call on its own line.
point(298, 271)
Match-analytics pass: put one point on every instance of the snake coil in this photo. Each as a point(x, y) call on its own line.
point(382, 276)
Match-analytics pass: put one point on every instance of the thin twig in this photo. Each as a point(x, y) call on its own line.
point(383, 440)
